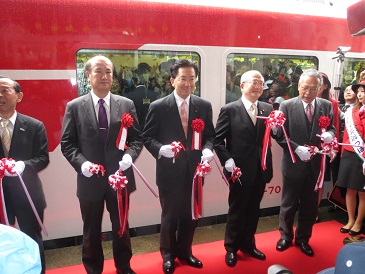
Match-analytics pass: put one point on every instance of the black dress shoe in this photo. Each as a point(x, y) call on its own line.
point(255, 253)
point(168, 267)
point(344, 230)
point(127, 271)
point(192, 261)
point(231, 259)
point(354, 233)
point(283, 245)
point(305, 248)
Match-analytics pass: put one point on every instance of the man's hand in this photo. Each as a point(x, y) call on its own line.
point(166, 151)
point(126, 162)
point(230, 165)
point(333, 155)
point(85, 169)
point(19, 167)
point(327, 137)
point(303, 153)
point(207, 155)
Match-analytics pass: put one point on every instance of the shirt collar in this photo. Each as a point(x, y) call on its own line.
point(12, 118)
point(96, 99)
point(179, 100)
point(247, 103)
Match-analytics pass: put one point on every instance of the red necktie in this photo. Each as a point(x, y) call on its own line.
point(184, 117)
point(309, 112)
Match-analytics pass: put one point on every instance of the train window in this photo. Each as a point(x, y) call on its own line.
point(281, 74)
point(143, 76)
point(352, 69)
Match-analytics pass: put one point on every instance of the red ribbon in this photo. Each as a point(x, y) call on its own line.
point(96, 169)
point(6, 167)
point(236, 174)
point(198, 127)
point(197, 190)
point(119, 182)
point(176, 147)
point(277, 119)
point(126, 122)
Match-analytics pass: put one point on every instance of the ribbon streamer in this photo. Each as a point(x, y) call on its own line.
point(265, 144)
point(32, 204)
point(220, 171)
point(176, 147)
point(197, 189)
point(144, 180)
point(119, 182)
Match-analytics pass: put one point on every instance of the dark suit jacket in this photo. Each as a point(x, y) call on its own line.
point(163, 126)
point(28, 144)
point(301, 133)
point(81, 141)
point(238, 138)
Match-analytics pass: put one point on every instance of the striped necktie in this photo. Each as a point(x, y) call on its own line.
point(184, 117)
point(5, 137)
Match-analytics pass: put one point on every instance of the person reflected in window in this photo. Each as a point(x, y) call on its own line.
point(352, 166)
point(233, 92)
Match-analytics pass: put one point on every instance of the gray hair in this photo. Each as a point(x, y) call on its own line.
point(312, 73)
point(248, 75)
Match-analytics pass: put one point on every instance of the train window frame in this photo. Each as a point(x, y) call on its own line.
point(287, 65)
point(142, 66)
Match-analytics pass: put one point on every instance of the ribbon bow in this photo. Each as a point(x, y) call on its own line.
point(236, 174)
point(96, 169)
point(176, 147)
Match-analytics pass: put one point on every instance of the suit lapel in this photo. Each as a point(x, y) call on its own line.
point(20, 128)
point(174, 116)
point(245, 117)
point(115, 115)
point(193, 113)
point(89, 110)
point(300, 116)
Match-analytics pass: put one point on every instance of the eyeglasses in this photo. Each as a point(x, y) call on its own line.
point(255, 82)
point(306, 88)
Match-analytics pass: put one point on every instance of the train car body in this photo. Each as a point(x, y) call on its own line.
point(45, 42)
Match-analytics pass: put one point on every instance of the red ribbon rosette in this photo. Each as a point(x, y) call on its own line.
point(236, 174)
point(6, 167)
point(96, 169)
point(119, 183)
point(324, 122)
point(198, 127)
point(126, 122)
point(176, 147)
point(197, 190)
point(277, 119)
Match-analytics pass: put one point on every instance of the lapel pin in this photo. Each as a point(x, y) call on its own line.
point(22, 129)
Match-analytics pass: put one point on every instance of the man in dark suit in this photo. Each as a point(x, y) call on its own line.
point(238, 143)
point(174, 178)
point(29, 149)
point(86, 142)
point(299, 179)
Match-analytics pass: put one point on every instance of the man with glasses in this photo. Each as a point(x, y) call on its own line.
point(238, 143)
point(299, 179)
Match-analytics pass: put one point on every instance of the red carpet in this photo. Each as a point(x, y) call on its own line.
point(326, 242)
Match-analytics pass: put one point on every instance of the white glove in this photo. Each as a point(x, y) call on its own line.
point(207, 155)
point(363, 168)
point(126, 162)
point(229, 165)
point(85, 169)
point(303, 153)
point(18, 168)
point(327, 137)
point(166, 151)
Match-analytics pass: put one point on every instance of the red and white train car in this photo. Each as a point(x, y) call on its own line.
point(45, 42)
